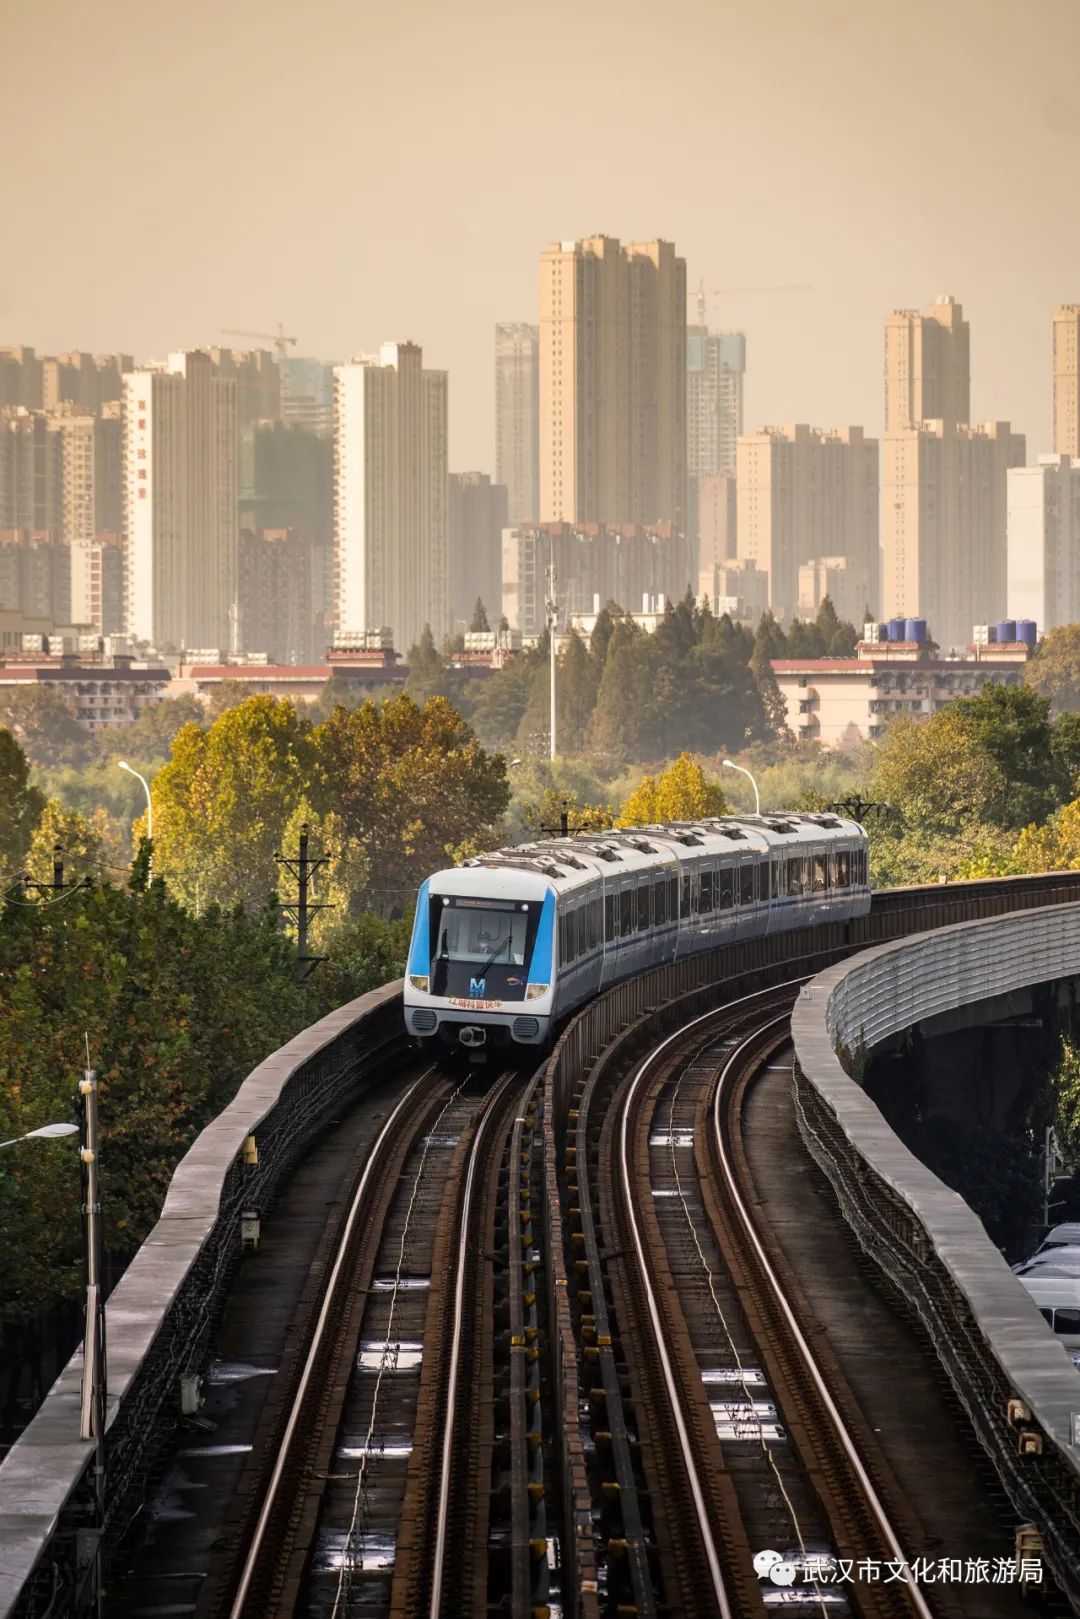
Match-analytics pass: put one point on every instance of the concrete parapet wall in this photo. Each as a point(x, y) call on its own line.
point(982, 1322)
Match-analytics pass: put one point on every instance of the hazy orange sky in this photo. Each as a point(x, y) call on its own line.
point(372, 172)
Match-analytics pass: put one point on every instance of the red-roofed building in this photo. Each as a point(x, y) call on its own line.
point(840, 702)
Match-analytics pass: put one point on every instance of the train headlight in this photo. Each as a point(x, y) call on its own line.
point(533, 992)
point(419, 981)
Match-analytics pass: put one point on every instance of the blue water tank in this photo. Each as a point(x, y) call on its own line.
point(915, 629)
point(1027, 631)
point(896, 629)
point(1006, 630)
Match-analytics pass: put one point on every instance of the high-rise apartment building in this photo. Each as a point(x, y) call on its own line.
point(35, 575)
point(84, 382)
point(476, 517)
point(61, 472)
point(180, 500)
point(927, 366)
point(517, 418)
point(715, 369)
point(1067, 381)
point(307, 395)
point(636, 565)
point(30, 472)
point(390, 483)
point(944, 527)
point(1044, 542)
point(20, 377)
point(97, 583)
point(804, 494)
point(943, 479)
point(257, 375)
point(612, 382)
point(91, 471)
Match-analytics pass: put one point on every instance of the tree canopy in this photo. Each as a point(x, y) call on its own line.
point(20, 806)
point(1054, 671)
point(682, 792)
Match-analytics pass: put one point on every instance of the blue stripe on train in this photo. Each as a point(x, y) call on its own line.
point(544, 947)
point(420, 944)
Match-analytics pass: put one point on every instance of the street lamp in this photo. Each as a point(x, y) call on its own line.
point(123, 765)
point(44, 1132)
point(729, 764)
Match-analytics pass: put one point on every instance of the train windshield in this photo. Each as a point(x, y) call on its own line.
point(481, 947)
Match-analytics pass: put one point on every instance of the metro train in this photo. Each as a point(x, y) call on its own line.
point(507, 945)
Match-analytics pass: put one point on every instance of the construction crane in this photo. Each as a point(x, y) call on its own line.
point(279, 339)
point(729, 292)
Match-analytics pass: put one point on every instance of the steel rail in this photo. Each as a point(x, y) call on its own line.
point(805, 1352)
point(329, 1302)
point(443, 1511)
point(671, 1382)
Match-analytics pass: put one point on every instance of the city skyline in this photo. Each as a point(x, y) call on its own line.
point(460, 213)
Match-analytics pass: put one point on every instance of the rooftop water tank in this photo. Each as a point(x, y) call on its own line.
point(915, 629)
point(896, 629)
point(1027, 631)
point(1006, 630)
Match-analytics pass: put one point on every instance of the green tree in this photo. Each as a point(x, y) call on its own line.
point(938, 776)
point(223, 801)
point(480, 625)
point(340, 885)
point(427, 670)
point(410, 784)
point(20, 807)
point(44, 724)
point(1054, 671)
point(151, 735)
point(577, 682)
point(225, 695)
point(499, 705)
point(94, 845)
point(1013, 724)
point(1065, 748)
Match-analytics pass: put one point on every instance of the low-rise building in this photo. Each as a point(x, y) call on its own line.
point(840, 702)
point(102, 685)
point(628, 563)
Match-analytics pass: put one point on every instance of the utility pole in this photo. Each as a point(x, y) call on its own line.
point(94, 1384)
point(58, 885)
point(302, 868)
point(552, 605)
point(564, 828)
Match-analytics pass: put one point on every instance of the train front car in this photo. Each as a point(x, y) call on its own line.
point(481, 962)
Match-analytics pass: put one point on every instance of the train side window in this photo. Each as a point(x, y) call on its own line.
point(688, 895)
point(563, 956)
point(673, 898)
point(595, 918)
point(626, 912)
point(843, 868)
point(609, 918)
point(1067, 1321)
point(644, 890)
point(794, 876)
point(706, 891)
point(746, 884)
point(821, 880)
point(763, 879)
point(727, 888)
point(660, 902)
point(778, 876)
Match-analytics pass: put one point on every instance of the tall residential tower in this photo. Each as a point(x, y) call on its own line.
point(517, 418)
point(390, 487)
point(180, 503)
point(612, 382)
point(1067, 381)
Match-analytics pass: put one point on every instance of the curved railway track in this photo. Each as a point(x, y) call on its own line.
point(735, 1442)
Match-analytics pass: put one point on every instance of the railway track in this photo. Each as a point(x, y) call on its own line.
point(731, 1441)
point(411, 1443)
